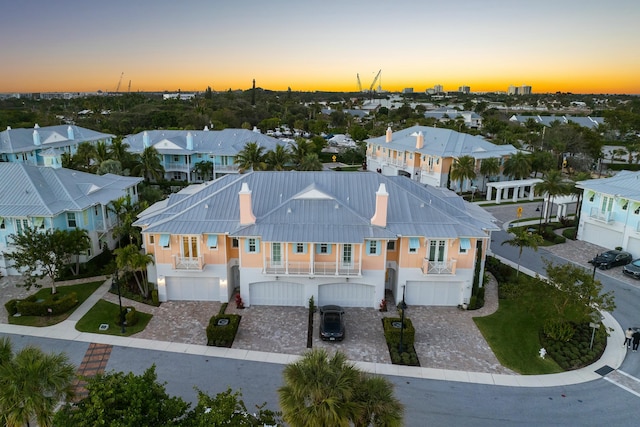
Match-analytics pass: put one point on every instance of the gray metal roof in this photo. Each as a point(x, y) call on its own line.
point(443, 143)
point(624, 184)
point(226, 142)
point(21, 140)
point(331, 207)
point(45, 191)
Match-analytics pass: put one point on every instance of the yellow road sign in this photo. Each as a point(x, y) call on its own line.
point(519, 211)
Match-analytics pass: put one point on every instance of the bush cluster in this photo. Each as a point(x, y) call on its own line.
point(569, 233)
point(392, 335)
point(502, 272)
point(477, 301)
point(575, 353)
point(222, 335)
point(52, 306)
point(131, 316)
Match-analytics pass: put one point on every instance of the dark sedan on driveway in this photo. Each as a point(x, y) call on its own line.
point(610, 259)
point(332, 323)
point(632, 269)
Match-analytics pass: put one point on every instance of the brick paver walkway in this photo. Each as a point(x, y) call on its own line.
point(94, 362)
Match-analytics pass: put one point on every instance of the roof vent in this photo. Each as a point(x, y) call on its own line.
point(206, 206)
point(336, 206)
point(288, 210)
point(422, 205)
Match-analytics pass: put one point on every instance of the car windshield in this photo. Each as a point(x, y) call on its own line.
point(607, 255)
point(636, 263)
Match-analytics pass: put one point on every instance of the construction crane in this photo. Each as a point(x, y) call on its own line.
point(374, 81)
point(359, 84)
point(119, 82)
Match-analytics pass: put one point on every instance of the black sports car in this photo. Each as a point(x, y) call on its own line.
point(331, 323)
point(610, 259)
point(632, 269)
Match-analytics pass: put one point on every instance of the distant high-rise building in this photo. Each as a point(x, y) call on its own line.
point(464, 89)
point(522, 90)
point(407, 90)
point(438, 88)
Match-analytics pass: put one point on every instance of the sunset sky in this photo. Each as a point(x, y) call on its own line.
point(575, 46)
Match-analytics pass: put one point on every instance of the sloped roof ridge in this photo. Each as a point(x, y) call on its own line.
point(37, 191)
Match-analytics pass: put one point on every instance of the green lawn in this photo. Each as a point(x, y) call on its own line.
point(83, 291)
point(107, 312)
point(513, 331)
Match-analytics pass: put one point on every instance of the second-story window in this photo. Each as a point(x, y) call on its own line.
point(414, 244)
point(300, 248)
point(372, 247)
point(234, 243)
point(437, 249)
point(71, 220)
point(2, 225)
point(189, 246)
point(253, 245)
point(391, 245)
point(152, 239)
point(21, 225)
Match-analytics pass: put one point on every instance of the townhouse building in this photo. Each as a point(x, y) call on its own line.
point(44, 146)
point(181, 150)
point(52, 198)
point(610, 213)
point(342, 237)
point(426, 154)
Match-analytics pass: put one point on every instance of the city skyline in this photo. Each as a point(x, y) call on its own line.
point(76, 46)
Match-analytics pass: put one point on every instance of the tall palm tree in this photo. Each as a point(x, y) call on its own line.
point(329, 391)
point(32, 384)
point(318, 391)
point(299, 151)
point(518, 166)
point(101, 152)
point(149, 165)
point(131, 260)
point(488, 168)
point(463, 168)
point(310, 162)
point(85, 156)
point(379, 407)
point(118, 150)
point(203, 169)
point(553, 184)
point(251, 157)
point(278, 159)
point(125, 211)
point(522, 239)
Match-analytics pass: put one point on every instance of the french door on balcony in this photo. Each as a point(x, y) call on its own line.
point(276, 254)
point(189, 247)
point(347, 255)
point(437, 250)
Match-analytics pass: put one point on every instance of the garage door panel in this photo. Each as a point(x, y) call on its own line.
point(346, 295)
point(432, 293)
point(602, 236)
point(193, 289)
point(633, 247)
point(276, 293)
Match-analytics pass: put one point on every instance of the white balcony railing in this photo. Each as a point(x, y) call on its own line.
point(176, 167)
point(598, 215)
point(438, 267)
point(304, 268)
point(187, 263)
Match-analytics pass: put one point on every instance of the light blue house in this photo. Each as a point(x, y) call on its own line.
point(57, 198)
point(610, 214)
point(44, 146)
point(181, 150)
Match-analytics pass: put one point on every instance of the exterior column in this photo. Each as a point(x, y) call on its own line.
point(531, 191)
point(516, 190)
point(489, 191)
point(498, 195)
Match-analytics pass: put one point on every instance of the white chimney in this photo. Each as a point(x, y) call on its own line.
point(382, 202)
point(389, 134)
point(145, 139)
point(70, 133)
point(36, 137)
point(189, 141)
point(246, 211)
point(420, 140)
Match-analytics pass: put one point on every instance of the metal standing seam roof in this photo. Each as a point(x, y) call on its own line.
point(624, 184)
point(226, 142)
point(21, 140)
point(317, 207)
point(443, 143)
point(45, 191)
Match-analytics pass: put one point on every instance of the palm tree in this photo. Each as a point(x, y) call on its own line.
point(85, 156)
point(131, 260)
point(319, 391)
point(578, 192)
point(518, 166)
point(552, 185)
point(522, 239)
point(488, 168)
point(329, 391)
point(251, 157)
point(125, 211)
point(119, 151)
point(32, 384)
point(149, 166)
point(101, 152)
point(379, 406)
point(310, 162)
point(299, 151)
point(463, 168)
point(278, 159)
point(203, 169)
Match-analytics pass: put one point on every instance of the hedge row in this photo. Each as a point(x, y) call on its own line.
point(52, 306)
point(392, 333)
point(222, 335)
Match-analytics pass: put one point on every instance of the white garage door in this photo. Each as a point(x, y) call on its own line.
point(193, 289)
point(432, 293)
point(633, 247)
point(346, 295)
point(601, 236)
point(276, 293)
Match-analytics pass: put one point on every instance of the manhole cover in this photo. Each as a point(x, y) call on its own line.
point(222, 322)
point(396, 324)
point(103, 326)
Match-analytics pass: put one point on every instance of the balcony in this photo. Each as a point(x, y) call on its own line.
point(303, 268)
point(438, 267)
point(598, 215)
point(102, 225)
point(176, 167)
point(188, 263)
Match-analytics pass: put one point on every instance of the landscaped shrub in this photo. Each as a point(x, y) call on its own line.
point(154, 297)
point(221, 333)
point(559, 239)
point(558, 330)
point(575, 353)
point(502, 272)
point(392, 333)
point(11, 306)
point(569, 233)
point(52, 306)
point(130, 317)
point(508, 290)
